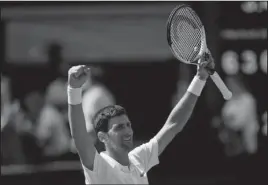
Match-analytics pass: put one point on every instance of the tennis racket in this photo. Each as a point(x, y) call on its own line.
point(187, 40)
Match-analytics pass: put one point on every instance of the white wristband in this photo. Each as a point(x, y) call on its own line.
point(74, 95)
point(196, 86)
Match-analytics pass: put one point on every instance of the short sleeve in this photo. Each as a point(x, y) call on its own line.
point(147, 154)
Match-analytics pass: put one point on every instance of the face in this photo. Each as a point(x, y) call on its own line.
point(34, 102)
point(120, 134)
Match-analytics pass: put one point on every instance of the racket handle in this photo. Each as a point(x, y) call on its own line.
point(227, 94)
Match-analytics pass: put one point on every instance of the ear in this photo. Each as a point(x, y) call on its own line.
point(102, 137)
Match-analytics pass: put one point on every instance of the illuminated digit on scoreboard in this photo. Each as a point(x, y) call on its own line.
point(253, 7)
point(229, 62)
point(263, 61)
point(249, 62)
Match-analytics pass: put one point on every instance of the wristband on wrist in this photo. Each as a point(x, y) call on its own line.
point(74, 95)
point(196, 86)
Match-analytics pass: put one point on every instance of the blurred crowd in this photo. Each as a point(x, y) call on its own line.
point(238, 126)
point(34, 126)
point(35, 129)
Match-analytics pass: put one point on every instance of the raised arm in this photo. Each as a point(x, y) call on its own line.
point(83, 138)
point(184, 108)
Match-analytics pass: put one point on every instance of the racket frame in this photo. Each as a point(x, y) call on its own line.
point(213, 74)
point(203, 47)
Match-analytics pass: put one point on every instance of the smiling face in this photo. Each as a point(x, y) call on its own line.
point(120, 134)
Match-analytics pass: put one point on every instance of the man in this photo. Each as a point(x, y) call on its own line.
point(11, 145)
point(240, 120)
point(41, 128)
point(120, 163)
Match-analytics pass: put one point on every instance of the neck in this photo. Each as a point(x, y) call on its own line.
point(121, 157)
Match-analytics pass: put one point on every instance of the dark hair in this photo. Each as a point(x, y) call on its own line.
point(102, 117)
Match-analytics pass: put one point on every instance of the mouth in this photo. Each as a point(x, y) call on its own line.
point(128, 138)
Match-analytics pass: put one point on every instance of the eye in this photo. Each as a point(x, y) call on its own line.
point(120, 126)
point(129, 124)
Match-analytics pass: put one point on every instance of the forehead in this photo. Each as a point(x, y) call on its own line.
point(118, 119)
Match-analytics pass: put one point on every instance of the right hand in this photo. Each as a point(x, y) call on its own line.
point(78, 75)
point(205, 67)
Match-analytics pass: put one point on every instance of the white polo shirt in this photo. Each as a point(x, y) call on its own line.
point(108, 171)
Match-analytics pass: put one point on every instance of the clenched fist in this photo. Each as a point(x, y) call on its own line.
point(205, 66)
point(78, 75)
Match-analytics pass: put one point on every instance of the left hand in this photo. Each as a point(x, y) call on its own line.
point(205, 66)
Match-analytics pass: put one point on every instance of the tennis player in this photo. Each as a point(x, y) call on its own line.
point(120, 163)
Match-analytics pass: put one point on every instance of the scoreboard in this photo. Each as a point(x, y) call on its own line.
point(243, 33)
point(243, 48)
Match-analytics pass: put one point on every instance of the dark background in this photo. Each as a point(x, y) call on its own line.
point(145, 86)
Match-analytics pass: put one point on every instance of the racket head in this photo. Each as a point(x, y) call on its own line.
point(186, 34)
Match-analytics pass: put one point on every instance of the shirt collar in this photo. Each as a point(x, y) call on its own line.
point(116, 164)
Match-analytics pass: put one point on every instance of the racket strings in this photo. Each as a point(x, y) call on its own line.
point(186, 43)
point(186, 34)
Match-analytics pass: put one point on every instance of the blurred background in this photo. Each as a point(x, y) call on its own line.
point(125, 45)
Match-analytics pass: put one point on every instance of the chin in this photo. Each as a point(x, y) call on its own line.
point(128, 147)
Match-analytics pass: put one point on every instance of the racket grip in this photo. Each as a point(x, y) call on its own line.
point(227, 94)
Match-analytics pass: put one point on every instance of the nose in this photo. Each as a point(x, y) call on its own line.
point(129, 131)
